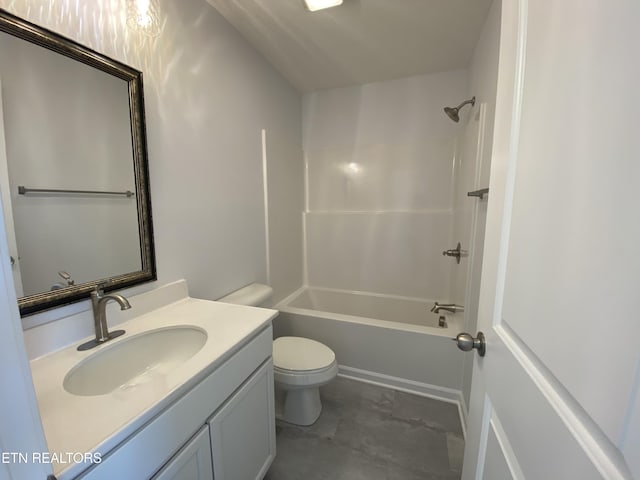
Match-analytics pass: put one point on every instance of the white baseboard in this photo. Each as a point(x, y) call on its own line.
point(449, 395)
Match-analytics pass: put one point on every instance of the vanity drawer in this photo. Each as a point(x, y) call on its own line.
point(147, 450)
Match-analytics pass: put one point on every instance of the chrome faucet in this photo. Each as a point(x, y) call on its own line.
point(99, 302)
point(449, 307)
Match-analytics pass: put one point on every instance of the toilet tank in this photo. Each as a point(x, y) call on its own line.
point(254, 295)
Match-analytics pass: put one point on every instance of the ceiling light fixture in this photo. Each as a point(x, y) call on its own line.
point(314, 5)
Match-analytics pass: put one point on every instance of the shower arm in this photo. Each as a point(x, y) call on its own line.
point(472, 101)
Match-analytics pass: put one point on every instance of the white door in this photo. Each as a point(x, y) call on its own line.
point(20, 428)
point(556, 396)
point(8, 212)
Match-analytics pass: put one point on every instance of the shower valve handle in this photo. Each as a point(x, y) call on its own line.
point(456, 252)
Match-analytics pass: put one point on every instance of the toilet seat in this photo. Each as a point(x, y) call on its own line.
point(286, 371)
point(302, 362)
point(304, 379)
point(296, 354)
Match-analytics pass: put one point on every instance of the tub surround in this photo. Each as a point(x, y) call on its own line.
point(392, 311)
point(379, 185)
point(99, 423)
point(418, 358)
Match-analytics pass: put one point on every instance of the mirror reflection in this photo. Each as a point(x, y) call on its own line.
point(46, 100)
point(72, 170)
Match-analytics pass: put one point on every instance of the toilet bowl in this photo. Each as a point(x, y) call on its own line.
point(300, 365)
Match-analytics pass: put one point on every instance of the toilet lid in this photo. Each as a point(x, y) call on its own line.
point(301, 354)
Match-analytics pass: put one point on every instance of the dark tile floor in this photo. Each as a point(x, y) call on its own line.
point(371, 433)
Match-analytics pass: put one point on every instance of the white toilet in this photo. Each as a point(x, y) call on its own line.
point(300, 365)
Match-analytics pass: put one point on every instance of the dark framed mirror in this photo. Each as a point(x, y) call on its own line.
point(74, 173)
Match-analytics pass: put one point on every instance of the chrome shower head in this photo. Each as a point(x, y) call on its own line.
point(453, 112)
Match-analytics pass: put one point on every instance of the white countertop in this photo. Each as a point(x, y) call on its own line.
point(98, 423)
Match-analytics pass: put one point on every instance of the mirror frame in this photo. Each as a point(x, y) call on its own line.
point(30, 32)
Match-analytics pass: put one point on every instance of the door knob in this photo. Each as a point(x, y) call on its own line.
point(467, 343)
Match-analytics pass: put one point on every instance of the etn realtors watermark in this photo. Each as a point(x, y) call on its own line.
point(50, 457)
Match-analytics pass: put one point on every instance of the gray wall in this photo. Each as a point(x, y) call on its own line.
point(208, 96)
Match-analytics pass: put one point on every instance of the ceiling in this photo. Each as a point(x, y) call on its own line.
point(361, 41)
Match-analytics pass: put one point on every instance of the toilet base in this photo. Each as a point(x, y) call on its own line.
point(299, 406)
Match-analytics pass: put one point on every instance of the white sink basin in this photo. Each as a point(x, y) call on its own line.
point(138, 360)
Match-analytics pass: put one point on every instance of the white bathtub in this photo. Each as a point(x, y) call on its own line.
point(380, 338)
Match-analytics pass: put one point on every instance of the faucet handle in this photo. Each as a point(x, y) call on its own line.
point(67, 277)
point(100, 286)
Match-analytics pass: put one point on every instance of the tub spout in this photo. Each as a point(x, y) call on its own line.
point(449, 307)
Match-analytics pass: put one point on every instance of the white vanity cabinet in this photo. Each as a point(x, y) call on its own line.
point(239, 438)
point(192, 462)
point(243, 438)
point(224, 424)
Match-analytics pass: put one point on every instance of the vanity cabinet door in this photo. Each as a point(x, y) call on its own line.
point(192, 462)
point(243, 437)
